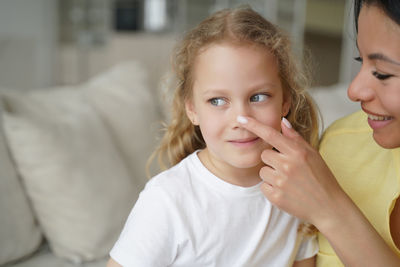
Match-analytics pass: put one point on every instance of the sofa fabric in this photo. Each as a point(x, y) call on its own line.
point(80, 152)
point(19, 233)
point(129, 110)
point(44, 257)
point(69, 164)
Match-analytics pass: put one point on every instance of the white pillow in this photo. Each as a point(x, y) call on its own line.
point(19, 233)
point(79, 187)
point(129, 108)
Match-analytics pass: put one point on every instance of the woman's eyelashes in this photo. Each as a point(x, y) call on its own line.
point(379, 76)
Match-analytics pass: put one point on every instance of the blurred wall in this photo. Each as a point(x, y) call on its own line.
point(323, 37)
point(28, 43)
point(31, 56)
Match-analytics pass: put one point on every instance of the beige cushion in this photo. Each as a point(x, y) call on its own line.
point(79, 187)
point(129, 109)
point(19, 234)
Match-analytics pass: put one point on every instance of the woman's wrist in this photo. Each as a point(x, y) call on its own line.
point(340, 210)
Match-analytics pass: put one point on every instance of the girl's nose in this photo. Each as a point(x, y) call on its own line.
point(240, 109)
point(361, 88)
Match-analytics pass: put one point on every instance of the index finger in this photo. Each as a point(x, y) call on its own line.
point(265, 132)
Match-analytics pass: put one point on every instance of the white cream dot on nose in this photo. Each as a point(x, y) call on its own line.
point(241, 119)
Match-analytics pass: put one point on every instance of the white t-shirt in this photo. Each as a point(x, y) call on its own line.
point(186, 216)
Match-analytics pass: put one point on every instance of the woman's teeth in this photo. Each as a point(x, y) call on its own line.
point(379, 118)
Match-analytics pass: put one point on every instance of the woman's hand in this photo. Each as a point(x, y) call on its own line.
point(296, 179)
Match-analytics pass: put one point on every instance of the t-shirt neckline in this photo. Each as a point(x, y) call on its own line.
point(206, 176)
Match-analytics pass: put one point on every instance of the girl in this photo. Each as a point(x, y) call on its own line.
point(359, 224)
point(208, 210)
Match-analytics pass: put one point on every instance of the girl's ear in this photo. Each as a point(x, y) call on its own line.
point(191, 112)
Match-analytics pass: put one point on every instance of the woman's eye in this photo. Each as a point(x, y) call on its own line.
point(381, 76)
point(217, 101)
point(359, 59)
point(258, 98)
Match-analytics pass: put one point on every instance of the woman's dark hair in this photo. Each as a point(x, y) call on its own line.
point(390, 7)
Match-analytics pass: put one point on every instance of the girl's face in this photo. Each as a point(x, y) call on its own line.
point(377, 85)
point(229, 81)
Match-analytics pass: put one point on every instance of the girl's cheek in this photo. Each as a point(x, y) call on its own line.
point(271, 118)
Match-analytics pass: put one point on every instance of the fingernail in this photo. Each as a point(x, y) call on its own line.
point(286, 122)
point(241, 119)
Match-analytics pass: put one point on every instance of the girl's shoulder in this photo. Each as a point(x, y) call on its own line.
point(175, 180)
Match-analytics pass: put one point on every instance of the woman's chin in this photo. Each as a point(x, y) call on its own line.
point(388, 142)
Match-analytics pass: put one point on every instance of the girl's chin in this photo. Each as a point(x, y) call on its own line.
point(248, 165)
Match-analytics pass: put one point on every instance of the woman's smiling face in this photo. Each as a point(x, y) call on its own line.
point(377, 85)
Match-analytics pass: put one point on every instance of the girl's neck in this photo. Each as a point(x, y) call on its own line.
point(245, 177)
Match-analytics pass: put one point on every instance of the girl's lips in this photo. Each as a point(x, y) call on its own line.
point(244, 142)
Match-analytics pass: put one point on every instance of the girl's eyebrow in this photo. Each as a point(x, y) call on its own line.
point(260, 86)
point(379, 56)
point(214, 91)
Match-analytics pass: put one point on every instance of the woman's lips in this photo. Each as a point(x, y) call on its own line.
point(377, 121)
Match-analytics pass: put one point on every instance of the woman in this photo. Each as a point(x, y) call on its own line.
point(359, 224)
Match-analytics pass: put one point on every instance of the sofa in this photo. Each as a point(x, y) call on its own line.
point(72, 163)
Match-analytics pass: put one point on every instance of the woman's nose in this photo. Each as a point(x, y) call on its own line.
point(361, 88)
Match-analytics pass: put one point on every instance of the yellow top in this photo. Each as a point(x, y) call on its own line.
point(368, 173)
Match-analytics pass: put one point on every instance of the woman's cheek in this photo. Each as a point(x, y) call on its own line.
point(391, 103)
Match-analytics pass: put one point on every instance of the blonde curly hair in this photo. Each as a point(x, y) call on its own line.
point(239, 26)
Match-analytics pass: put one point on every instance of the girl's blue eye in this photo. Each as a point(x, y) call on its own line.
point(217, 101)
point(359, 59)
point(258, 98)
